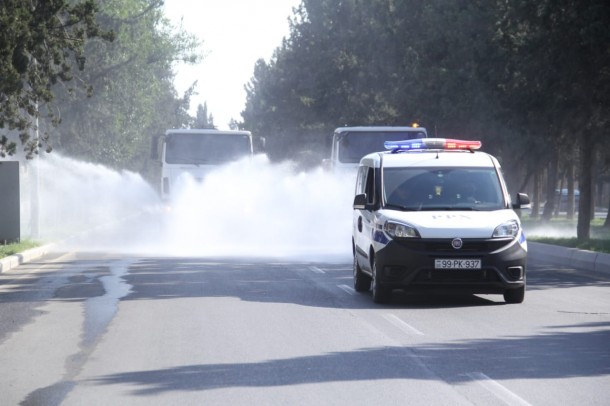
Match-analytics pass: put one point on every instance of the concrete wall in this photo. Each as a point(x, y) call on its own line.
point(10, 209)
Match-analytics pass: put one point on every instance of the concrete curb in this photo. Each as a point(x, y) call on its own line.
point(15, 260)
point(570, 257)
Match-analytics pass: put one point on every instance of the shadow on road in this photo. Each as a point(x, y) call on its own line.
point(542, 356)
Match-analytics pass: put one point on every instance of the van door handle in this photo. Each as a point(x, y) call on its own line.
point(360, 223)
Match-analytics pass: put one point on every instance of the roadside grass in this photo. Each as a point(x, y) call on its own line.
point(562, 232)
point(15, 248)
point(591, 245)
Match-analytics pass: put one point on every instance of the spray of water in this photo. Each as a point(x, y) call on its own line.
point(250, 207)
point(76, 196)
point(255, 208)
point(550, 231)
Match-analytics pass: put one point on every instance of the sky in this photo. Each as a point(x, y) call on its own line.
point(234, 35)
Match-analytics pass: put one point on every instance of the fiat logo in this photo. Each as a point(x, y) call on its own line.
point(457, 243)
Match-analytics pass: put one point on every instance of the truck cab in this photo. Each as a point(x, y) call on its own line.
point(350, 144)
point(196, 152)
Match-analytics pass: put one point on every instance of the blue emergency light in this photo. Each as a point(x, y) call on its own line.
point(432, 143)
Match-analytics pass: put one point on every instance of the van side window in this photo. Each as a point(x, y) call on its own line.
point(361, 181)
point(370, 186)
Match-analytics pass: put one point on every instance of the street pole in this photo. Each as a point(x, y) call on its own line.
point(35, 189)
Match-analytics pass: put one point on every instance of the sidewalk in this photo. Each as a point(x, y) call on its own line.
point(570, 257)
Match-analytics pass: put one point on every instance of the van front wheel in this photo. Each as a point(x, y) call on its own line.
point(380, 294)
point(515, 295)
point(362, 282)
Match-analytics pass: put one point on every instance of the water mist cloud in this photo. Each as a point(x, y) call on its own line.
point(247, 208)
point(256, 208)
point(76, 196)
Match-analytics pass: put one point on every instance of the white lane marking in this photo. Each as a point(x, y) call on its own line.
point(316, 269)
point(407, 328)
point(497, 389)
point(346, 288)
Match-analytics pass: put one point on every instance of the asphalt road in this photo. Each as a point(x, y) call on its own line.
point(101, 329)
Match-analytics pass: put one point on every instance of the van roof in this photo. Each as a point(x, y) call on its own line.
point(431, 158)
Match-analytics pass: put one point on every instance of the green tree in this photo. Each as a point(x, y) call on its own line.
point(375, 63)
point(530, 79)
point(202, 118)
point(41, 44)
point(558, 78)
point(133, 96)
point(316, 80)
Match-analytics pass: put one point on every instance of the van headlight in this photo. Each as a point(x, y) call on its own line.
point(508, 229)
point(400, 230)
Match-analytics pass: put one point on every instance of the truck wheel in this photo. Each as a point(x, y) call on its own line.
point(362, 282)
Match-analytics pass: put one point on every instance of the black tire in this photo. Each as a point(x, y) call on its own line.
point(380, 294)
point(515, 295)
point(362, 282)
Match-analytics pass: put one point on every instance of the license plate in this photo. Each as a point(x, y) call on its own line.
point(457, 264)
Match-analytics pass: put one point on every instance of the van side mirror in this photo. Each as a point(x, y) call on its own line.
point(522, 201)
point(360, 202)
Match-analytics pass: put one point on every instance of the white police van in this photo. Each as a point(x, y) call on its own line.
point(434, 214)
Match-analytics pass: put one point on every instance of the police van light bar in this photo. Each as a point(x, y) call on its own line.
point(432, 143)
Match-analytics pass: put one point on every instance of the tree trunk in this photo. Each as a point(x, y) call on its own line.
point(559, 202)
point(599, 192)
point(571, 200)
point(535, 213)
point(607, 221)
point(587, 155)
point(551, 183)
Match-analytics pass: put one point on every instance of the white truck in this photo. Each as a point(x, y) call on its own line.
point(350, 144)
point(197, 152)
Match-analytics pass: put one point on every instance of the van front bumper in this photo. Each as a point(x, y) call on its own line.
point(410, 265)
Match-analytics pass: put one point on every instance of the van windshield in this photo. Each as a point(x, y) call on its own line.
point(442, 189)
point(356, 144)
point(206, 148)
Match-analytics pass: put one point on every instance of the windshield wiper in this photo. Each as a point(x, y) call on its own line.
point(401, 208)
